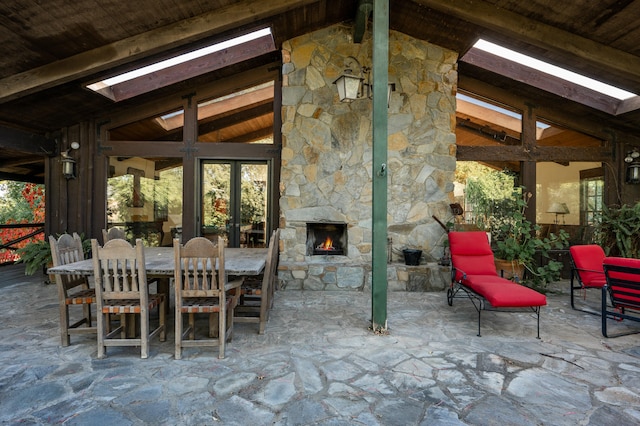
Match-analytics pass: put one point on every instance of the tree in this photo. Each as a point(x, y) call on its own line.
point(20, 203)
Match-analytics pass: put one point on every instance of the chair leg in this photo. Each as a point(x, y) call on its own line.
point(101, 332)
point(64, 324)
point(192, 327)
point(178, 320)
point(213, 324)
point(230, 312)
point(163, 318)
point(144, 332)
point(86, 311)
point(222, 328)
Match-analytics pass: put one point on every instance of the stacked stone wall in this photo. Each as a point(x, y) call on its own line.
point(327, 157)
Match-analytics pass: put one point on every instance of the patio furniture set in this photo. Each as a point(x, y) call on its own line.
point(474, 276)
point(208, 280)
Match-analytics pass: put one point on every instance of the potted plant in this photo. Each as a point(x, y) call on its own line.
point(35, 255)
point(617, 231)
point(516, 243)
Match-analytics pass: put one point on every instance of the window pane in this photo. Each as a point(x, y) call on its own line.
point(144, 197)
point(245, 116)
point(561, 185)
point(167, 126)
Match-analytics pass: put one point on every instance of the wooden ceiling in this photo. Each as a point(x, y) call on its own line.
point(52, 49)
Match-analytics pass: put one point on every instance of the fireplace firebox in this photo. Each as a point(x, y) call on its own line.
point(326, 239)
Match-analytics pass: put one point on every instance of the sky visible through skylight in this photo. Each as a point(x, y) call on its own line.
point(553, 70)
point(180, 59)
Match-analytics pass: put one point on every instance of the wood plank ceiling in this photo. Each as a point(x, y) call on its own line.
point(52, 50)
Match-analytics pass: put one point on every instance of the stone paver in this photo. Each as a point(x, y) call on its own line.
point(319, 364)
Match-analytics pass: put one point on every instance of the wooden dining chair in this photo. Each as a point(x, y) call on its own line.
point(256, 294)
point(72, 289)
point(122, 291)
point(200, 289)
point(113, 233)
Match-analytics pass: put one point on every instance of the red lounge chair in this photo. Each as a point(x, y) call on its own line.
point(623, 288)
point(586, 268)
point(474, 273)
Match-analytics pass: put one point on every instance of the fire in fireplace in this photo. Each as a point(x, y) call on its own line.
point(326, 239)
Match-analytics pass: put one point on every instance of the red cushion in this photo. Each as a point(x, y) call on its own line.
point(502, 293)
point(622, 291)
point(471, 254)
point(473, 243)
point(588, 261)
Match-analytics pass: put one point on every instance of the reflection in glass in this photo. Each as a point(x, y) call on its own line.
point(216, 201)
point(234, 202)
point(144, 197)
point(167, 126)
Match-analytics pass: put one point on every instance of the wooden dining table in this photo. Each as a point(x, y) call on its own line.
point(159, 263)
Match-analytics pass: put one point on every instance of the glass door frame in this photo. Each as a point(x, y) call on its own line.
point(235, 204)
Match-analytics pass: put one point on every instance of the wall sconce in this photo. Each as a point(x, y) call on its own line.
point(68, 162)
point(353, 85)
point(633, 166)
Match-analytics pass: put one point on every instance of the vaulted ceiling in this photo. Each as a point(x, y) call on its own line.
point(52, 49)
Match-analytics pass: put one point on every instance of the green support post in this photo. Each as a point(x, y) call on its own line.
point(380, 171)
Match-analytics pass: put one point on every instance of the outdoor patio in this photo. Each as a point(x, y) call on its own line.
point(318, 364)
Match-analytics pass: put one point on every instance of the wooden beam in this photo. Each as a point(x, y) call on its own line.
point(22, 178)
point(212, 90)
point(143, 45)
point(588, 125)
point(541, 80)
point(538, 34)
point(214, 61)
point(28, 143)
point(253, 136)
point(537, 153)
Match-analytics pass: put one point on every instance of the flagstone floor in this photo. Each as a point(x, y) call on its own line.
point(319, 364)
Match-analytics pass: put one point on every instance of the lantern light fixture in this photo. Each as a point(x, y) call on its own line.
point(355, 82)
point(68, 162)
point(633, 166)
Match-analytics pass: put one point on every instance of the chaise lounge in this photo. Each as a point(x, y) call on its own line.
point(474, 274)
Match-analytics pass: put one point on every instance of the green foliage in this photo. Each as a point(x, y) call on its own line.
point(618, 231)
point(488, 191)
point(15, 207)
point(217, 195)
point(35, 255)
point(516, 239)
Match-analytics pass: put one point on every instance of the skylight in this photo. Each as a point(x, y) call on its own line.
point(487, 105)
point(553, 70)
point(176, 69)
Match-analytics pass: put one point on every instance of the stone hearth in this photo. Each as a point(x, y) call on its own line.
point(327, 156)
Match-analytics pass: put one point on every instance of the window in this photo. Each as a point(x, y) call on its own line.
point(591, 196)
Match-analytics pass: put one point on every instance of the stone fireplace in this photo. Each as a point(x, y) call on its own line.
point(324, 239)
point(327, 163)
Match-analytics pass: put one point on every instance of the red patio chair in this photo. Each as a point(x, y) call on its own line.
point(474, 273)
point(623, 289)
point(586, 269)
